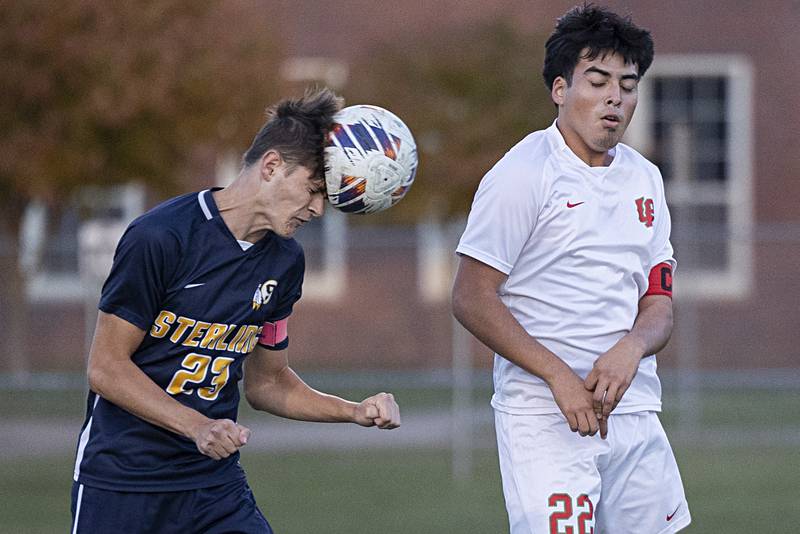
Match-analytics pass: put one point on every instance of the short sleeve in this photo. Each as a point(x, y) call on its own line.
point(661, 246)
point(142, 267)
point(502, 217)
point(291, 293)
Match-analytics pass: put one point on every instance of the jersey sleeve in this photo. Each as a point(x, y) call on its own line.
point(140, 273)
point(274, 334)
point(502, 217)
point(661, 251)
point(288, 295)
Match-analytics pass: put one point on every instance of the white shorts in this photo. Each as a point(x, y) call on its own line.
point(558, 482)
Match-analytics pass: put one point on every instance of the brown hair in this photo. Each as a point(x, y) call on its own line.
point(297, 129)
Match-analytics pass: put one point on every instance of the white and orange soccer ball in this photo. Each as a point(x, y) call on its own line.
point(370, 160)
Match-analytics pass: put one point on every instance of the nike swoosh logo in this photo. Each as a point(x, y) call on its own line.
point(571, 205)
point(190, 286)
point(670, 516)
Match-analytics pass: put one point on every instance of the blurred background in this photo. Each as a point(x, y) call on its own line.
point(108, 108)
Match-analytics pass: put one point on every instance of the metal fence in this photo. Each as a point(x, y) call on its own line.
point(376, 315)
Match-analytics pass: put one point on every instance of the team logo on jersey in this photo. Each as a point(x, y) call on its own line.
point(646, 211)
point(264, 293)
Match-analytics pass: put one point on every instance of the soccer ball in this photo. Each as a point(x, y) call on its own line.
point(370, 160)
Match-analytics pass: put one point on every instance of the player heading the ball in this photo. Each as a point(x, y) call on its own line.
point(200, 294)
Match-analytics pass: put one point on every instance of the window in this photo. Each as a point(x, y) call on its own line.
point(694, 121)
point(324, 241)
point(67, 252)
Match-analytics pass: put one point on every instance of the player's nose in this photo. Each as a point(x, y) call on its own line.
point(614, 97)
point(317, 205)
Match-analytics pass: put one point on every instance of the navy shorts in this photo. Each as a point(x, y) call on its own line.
point(229, 508)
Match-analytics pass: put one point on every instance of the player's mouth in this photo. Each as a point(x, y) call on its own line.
point(611, 120)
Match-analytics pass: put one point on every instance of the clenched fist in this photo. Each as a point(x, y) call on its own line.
point(379, 410)
point(219, 438)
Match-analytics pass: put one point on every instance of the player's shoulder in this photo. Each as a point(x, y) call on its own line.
point(525, 161)
point(168, 223)
point(290, 246)
point(635, 159)
point(536, 147)
point(183, 205)
point(290, 249)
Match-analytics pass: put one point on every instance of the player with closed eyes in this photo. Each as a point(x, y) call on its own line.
point(566, 273)
point(198, 298)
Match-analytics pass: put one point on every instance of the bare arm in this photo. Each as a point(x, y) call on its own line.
point(272, 386)
point(477, 306)
point(614, 371)
point(653, 325)
point(115, 377)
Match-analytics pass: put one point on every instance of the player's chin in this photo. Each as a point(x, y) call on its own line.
point(615, 131)
point(609, 139)
point(292, 226)
point(288, 230)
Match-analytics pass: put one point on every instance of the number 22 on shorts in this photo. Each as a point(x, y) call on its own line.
point(194, 369)
point(563, 514)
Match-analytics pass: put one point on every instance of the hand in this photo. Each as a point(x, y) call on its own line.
point(611, 376)
point(575, 402)
point(380, 410)
point(219, 438)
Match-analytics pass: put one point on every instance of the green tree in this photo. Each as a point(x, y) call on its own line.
point(467, 94)
point(98, 92)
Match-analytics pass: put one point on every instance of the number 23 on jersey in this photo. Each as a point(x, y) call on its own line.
point(194, 369)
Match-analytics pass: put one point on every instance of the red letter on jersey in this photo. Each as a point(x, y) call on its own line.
point(660, 280)
point(646, 211)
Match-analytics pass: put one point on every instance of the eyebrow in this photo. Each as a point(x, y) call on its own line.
point(608, 74)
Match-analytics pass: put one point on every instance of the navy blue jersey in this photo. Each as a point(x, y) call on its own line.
point(202, 299)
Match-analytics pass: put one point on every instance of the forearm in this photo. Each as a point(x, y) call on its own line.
point(286, 395)
point(128, 387)
point(489, 320)
point(652, 328)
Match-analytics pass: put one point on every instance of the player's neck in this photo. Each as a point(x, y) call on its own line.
point(238, 205)
point(582, 150)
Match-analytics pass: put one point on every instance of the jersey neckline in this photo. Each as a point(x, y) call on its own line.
point(211, 212)
point(558, 139)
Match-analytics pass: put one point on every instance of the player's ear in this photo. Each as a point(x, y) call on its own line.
point(558, 90)
point(270, 161)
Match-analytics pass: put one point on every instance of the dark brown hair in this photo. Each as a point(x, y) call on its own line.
point(601, 31)
point(297, 129)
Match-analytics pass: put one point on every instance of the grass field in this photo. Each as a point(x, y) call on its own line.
point(732, 488)
point(736, 491)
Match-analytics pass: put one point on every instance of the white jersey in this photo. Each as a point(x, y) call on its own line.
point(577, 243)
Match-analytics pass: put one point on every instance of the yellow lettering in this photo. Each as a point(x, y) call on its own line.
point(244, 342)
point(237, 338)
point(253, 340)
point(183, 324)
point(216, 331)
point(199, 329)
point(222, 344)
point(162, 323)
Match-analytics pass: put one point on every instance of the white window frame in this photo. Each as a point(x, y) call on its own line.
point(97, 239)
point(736, 280)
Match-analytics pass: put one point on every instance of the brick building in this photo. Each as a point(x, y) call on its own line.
point(719, 112)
